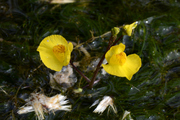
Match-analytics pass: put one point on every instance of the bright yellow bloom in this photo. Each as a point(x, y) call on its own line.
point(128, 28)
point(55, 52)
point(121, 65)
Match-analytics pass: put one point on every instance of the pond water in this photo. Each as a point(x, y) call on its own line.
point(152, 94)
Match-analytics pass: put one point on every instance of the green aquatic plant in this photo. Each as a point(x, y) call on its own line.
point(153, 91)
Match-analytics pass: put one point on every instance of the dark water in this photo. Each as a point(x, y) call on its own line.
point(152, 94)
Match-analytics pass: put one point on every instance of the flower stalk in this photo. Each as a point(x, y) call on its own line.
point(86, 78)
point(111, 40)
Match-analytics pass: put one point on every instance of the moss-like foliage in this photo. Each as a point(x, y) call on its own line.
point(153, 93)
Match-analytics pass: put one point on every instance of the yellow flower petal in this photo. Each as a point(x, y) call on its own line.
point(51, 41)
point(68, 54)
point(50, 60)
point(59, 51)
point(118, 59)
point(55, 52)
point(114, 50)
point(70, 46)
point(128, 28)
point(132, 65)
point(114, 70)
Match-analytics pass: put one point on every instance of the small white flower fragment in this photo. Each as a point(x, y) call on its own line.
point(126, 115)
point(107, 101)
point(63, 79)
point(41, 103)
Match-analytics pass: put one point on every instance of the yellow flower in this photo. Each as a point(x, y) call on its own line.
point(55, 52)
point(128, 28)
point(121, 65)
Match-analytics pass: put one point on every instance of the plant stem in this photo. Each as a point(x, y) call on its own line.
point(99, 65)
point(102, 58)
point(86, 78)
point(117, 40)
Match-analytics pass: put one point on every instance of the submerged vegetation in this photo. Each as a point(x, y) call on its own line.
point(152, 93)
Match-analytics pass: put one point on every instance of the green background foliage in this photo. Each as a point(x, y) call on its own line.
point(152, 94)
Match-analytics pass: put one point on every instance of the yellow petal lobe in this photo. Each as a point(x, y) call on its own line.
point(132, 65)
point(70, 46)
point(114, 50)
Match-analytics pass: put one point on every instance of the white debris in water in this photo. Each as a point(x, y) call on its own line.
point(40, 103)
point(105, 102)
point(63, 79)
point(126, 116)
point(59, 1)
